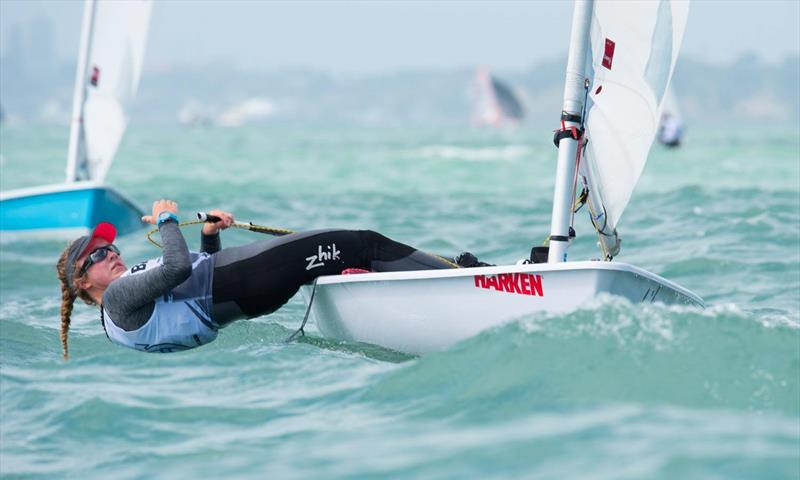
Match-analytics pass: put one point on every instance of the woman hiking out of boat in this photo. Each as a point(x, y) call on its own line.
point(180, 300)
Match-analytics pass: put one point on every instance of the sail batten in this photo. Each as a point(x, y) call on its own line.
point(634, 45)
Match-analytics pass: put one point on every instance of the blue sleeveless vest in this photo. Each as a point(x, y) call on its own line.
point(181, 319)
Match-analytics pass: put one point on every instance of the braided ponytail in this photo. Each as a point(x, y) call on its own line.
point(67, 301)
point(68, 297)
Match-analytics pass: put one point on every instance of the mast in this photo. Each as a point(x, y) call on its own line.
point(76, 141)
point(563, 196)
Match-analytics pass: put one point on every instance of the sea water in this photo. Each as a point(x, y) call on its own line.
point(612, 390)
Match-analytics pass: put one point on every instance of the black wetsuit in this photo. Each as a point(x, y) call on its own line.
point(258, 278)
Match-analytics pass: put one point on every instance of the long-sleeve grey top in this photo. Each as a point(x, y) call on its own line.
point(130, 300)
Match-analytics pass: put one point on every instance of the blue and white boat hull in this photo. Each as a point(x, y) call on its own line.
point(72, 207)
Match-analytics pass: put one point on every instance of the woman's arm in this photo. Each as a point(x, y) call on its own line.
point(210, 243)
point(130, 300)
point(209, 237)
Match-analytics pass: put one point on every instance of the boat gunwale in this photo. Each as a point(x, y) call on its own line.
point(500, 269)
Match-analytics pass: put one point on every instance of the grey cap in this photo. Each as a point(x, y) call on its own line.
point(78, 248)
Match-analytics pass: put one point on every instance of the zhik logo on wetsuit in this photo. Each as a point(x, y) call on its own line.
point(329, 253)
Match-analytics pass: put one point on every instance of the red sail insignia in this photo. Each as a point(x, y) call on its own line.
point(608, 56)
point(95, 75)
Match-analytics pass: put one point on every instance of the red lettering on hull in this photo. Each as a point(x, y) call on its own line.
point(517, 283)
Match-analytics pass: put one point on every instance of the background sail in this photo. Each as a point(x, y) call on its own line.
point(508, 102)
point(116, 53)
point(495, 104)
point(671, 127)
point(634, 45)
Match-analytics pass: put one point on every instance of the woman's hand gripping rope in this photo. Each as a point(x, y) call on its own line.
point(215, 220)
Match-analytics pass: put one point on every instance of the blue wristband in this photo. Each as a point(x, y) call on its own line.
point(166, 216)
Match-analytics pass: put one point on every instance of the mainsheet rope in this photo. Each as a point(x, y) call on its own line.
point(205, 218)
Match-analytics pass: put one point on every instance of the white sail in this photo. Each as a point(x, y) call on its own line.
point(671, 127)
point(115, 56)
point(634, 45)
point(670, 104)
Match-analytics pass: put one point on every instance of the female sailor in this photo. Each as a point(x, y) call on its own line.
point(181, 299)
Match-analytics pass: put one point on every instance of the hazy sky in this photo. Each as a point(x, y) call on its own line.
point(363, 37)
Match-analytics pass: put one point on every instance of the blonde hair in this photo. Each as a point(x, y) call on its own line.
point(68, 296)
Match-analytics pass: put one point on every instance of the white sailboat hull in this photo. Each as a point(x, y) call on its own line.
point(424, 311)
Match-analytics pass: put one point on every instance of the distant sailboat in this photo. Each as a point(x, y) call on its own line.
point(496, 104)
point(252, 110)
point(191, 115)
point(619, 65)
point(110, 59)
point(671, 127)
